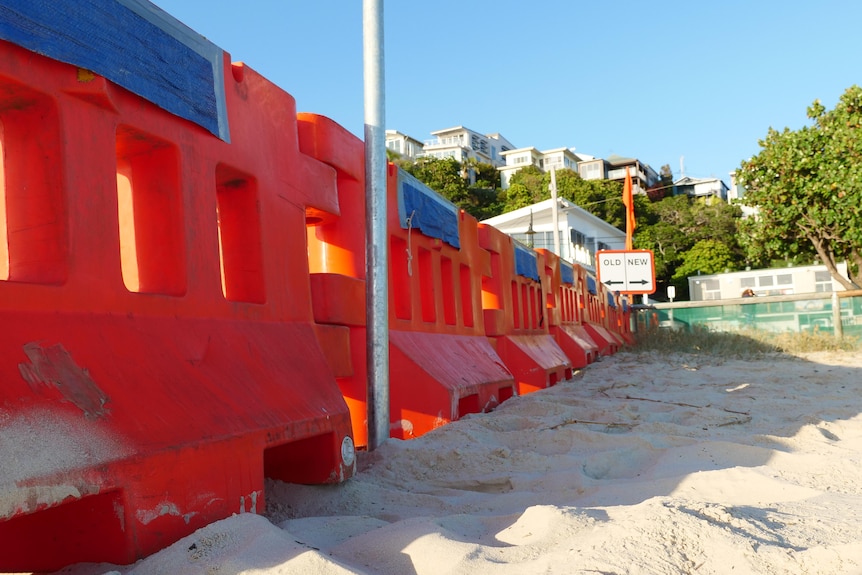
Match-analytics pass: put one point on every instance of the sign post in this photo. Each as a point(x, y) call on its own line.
point(626, 271)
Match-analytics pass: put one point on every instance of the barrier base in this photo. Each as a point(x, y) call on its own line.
point(604, 339)
point(121, 434)
point(536, 361)
point(438, 378)
point(577, 344)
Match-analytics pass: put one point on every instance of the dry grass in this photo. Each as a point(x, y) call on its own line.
point(743, 344)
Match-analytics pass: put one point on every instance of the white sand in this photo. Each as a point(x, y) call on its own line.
point(640, 464)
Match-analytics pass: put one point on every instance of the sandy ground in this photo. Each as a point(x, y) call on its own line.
point(639, 464)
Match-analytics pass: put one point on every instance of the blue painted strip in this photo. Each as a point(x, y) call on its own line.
point(567, 273)
point(427, 210)
point(132, 43)
point(591, 285)
point(611, 301)
point(526, 263)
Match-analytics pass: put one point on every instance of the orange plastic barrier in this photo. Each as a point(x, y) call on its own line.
point(158, 356)
point(442, 366)
point(563, 309)
point(514, 309)
point(595, 319)
point(620, 319)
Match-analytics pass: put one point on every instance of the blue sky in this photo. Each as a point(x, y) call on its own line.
point(653, 80)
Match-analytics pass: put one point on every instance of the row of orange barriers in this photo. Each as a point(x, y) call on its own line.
point(474, 317)
point(184, 316)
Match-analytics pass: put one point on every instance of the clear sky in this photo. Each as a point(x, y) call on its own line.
point(658, 81)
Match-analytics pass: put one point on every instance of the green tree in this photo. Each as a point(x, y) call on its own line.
point(450, 179)
point(664, 187)
point(444, 176)
point(526, 186)
point(484, 196)
point(705, 257)
point(674, 225)
point(807, 186)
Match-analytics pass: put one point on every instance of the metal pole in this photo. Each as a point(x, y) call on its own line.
point(555, 212)
point(377, 289)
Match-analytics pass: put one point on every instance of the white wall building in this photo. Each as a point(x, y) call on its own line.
point(771, 281)
point(701, 187)
point(462, 143)
point(581, 233)
point(403, 144)
point(558, 158)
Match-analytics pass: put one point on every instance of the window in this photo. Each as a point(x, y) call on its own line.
point(711, 289)
point(822, 281)
point(577, 238)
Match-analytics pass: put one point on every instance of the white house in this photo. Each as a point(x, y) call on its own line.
point(581, 233)
point(406, 146)
point(701, 187)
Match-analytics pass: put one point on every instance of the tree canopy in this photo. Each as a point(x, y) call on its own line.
point(677, 224)
point(451, 179)
point(807, 186)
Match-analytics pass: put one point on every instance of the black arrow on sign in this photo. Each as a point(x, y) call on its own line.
point(642, 282)
point(610, 283)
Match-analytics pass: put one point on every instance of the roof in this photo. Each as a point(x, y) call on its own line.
point(689, 181)
point(540, 208)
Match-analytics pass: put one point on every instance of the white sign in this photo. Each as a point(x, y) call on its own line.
point(626, 271)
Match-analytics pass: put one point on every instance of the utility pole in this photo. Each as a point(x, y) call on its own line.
point(555, 211)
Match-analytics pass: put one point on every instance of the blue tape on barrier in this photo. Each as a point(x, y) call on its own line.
point(591, 285)
point(611, 301)
point(567, 273)
point(132, 43)
point(526, 263)
point(427, 210)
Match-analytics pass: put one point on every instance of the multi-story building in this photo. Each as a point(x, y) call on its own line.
point(614, 168)
point(463, 143)
point(558, 158)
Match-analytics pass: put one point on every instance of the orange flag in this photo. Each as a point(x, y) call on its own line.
point(630, 209)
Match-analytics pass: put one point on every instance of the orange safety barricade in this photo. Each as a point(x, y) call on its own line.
point(619, 318)
point(514, 308)
point(613, 315)
point(595, 318)
point(158, 355)
point(441, 365)
point(563, 310)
